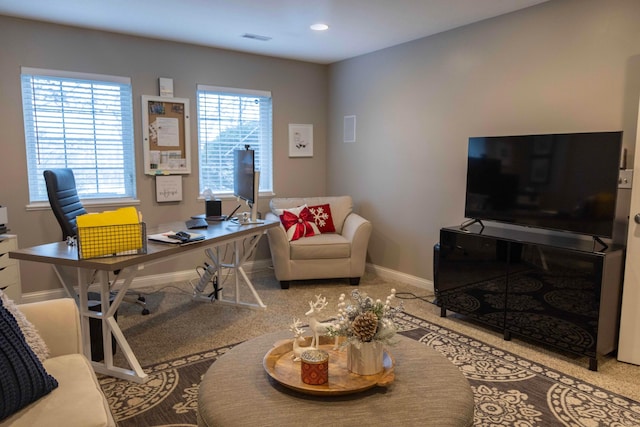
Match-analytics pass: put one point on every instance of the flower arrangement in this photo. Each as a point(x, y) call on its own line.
point(365, 319)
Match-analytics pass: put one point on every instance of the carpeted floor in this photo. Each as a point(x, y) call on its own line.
point(181, 333)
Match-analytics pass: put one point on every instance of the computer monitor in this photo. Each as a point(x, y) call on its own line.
point(246, 180)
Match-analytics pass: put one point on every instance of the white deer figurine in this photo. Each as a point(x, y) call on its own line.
point(318, 328)
point(297, 339)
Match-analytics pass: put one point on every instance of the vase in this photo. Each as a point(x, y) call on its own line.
point(366, 360)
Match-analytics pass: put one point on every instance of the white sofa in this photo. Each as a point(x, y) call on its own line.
point(78, 400)
point(325, 256)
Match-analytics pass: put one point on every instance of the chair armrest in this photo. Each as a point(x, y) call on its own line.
point(355, 224)
point(277, 237)
point(357, 230)
point(280, 250)
point(58, 323)
point(272, 216)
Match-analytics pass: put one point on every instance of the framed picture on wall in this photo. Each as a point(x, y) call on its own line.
point(168, 188)
point(300, 140)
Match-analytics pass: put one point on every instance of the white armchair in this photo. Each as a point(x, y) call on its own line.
point(78, 400)
point(341, 254)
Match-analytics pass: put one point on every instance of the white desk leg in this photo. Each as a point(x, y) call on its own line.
point(240, 262)
point(82, 298)
point(110, 326)
point(107, 317)
point(236, 265)
point(105, 307)
point(71, 292)
point(199, 294)
point(260, 304)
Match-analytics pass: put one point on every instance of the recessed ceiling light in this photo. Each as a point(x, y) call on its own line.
point(319, 27)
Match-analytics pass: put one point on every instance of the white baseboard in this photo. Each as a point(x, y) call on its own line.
point(139, 282)
point(398, 276)
point(187, 275)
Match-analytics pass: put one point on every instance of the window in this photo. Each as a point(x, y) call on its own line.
point(83, 122)
point(229, 119)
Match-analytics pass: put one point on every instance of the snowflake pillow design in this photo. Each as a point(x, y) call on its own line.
point(322, 217)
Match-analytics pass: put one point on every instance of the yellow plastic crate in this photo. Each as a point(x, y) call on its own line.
point(112, 240)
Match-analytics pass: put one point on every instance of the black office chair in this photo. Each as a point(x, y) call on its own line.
point(66, 206)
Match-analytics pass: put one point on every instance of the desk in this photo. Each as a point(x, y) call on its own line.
point(125, 269)
point(428, 390)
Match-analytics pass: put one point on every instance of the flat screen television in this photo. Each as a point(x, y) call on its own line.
point(565, 182)
point(246, 180)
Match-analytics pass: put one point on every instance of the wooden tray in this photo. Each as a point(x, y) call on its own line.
point(279, 364)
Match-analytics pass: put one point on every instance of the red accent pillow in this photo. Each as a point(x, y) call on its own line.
point(322, 217)
point(298, 222)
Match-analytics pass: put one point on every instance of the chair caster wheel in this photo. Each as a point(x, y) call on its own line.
point(142, 299)
point(145, 311)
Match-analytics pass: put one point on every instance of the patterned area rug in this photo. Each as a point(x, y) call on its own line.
point(508, 390)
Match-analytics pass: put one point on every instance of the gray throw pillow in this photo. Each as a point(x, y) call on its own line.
point(31, 335)
point(23, 379)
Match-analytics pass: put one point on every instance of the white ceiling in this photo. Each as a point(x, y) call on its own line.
point(356, 26)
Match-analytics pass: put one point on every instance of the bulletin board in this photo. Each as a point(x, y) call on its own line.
point(165, 135)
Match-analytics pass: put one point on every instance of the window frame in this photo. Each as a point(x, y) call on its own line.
point(264, 156)
point(124, 160)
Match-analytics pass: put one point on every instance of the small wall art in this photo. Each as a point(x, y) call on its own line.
point(300, 140)
point(168, 188)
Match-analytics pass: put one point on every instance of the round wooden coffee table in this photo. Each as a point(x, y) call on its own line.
point(428, 390)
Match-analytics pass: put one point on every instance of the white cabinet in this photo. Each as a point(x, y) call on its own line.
point(9, 268)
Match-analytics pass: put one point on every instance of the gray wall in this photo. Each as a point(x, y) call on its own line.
point(299, 92)
point(562, 66)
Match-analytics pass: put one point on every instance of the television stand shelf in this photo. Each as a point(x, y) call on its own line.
point(554, 290)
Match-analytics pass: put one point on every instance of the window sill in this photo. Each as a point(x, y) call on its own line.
point(94, 203)
point(262, 195)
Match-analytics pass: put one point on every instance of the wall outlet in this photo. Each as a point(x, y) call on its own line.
point(625, 178)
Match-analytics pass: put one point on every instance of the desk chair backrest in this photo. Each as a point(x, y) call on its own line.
point(64, 200)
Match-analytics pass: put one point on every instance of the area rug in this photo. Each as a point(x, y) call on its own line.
point(508, 390)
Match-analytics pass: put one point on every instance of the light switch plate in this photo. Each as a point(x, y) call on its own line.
point(626, 178)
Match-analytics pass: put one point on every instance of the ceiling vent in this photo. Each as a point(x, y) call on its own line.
point(256, 37)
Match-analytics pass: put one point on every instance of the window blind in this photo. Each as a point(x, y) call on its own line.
point(229, 119)
point(83, 122)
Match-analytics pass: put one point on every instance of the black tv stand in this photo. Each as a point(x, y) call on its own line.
point(555, 290)
point(465, 225)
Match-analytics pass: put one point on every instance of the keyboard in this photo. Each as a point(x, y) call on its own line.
point(210, 218)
